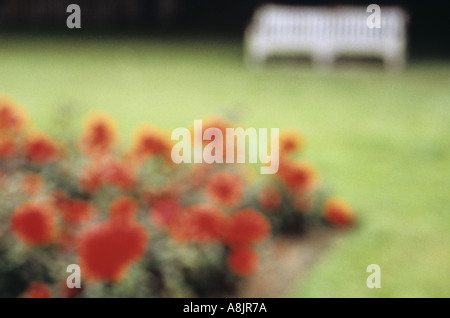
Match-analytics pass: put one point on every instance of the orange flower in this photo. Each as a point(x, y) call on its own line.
point(225, 188)
point(221, 124)
point(165, 212)
point(109, 171)
point(215, 122)
point(12, 116)
point(298, 174)
point(290, 141)
point(32, 183)
point(8, 146)
point(99, 134)
point(107, 249)
point(150, 141)
point(76, 211)
point(40, 148)
point(246, 226)
point(123, 208)
point(243, 260)
point(269, 198)
point(37, 290)
point(33, 222)
point(338, 211)
point(201, 223)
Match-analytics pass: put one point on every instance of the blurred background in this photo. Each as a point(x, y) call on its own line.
point(381, 139)
point(215, 18)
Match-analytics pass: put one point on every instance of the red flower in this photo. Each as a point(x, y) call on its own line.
point(246, 226)
point(290, 141)
point(269, 198)
point(99, 134)
point(201, 223)
point(225, 188)
point(76, 211)
point(67, 292)
point(298, 175)
point(107, 249)
point(109, 171)
point(123, 208)
point(338, 211)
point(33, 222)
point(243, 260)
point(150, 141)
point(91, 178)
point(119, 173)
point(165, 212)
point(215, 122)
point(12, 116)
point(37, 290)
point(40, 148)
point(32, 183)
point(221, 124)
point(8, 146)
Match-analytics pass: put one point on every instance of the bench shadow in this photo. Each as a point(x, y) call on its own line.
point(341, 64)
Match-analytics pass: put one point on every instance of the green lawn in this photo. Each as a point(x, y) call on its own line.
point(381, 140)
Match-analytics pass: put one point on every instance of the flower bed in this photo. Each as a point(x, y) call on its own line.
point(136, 223)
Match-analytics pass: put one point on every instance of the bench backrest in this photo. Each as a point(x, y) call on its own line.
point(340, 23)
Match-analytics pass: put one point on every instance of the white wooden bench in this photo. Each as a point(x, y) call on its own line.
point(326, 33)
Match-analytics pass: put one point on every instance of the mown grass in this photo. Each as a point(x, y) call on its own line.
point(380, 139)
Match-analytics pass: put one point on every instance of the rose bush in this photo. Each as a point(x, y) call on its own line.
point(136, 223)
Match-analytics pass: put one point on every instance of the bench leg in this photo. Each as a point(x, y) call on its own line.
point(254, 59)
point(323, 60)
point(394, 62)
